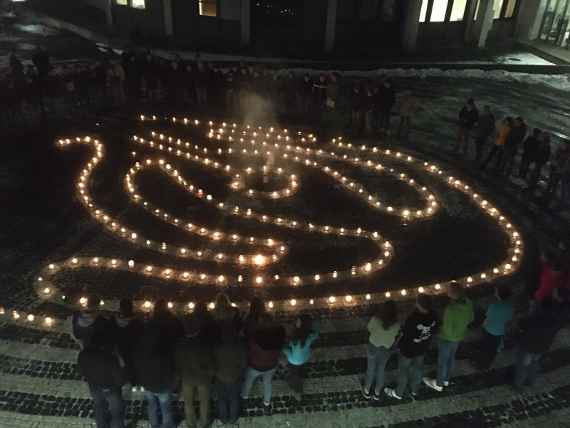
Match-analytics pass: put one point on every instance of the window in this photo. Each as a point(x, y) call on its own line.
point(423, 11)
point(511, 5)
point(122, 2)
point(438, 11)
point(139, 4)
point(458, 10)
point(208, 8)
point(497, 7)
point(476, 11)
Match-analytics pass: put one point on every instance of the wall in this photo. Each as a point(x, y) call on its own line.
point(148, 21)
point(193, 30)
point(99, 4)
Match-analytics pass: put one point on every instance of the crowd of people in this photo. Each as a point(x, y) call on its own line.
point(220, 353)
point(217, 352)
point(503, 142)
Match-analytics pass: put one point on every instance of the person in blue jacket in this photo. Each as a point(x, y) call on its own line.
point(298, 352)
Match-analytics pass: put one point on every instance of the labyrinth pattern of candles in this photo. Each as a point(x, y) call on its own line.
point(253, 210)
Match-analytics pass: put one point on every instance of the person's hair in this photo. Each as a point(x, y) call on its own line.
point(425, 301)
point(387, 313)
point(301, 332)
point(223, 302)
point(536, 132)
point(126, 307)
point(256, 307)
point(456, 290)
point(92, 302)
point(160, 308)
point(487, 108)
point(504, 292)
point(509, 120)
point(471, 101)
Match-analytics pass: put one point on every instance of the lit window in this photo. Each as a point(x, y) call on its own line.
point(122, 2)
point(476, 11)
point(458, 10)
point(438, 10)
point(139, 4)
point(423, 11)
point(208, 8)
point(497, 7)
point(511, 5)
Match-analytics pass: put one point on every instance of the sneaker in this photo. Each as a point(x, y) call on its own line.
point(376, 396)
point(445, 383)
point(365, 393)
point(267, 403)
point(392, 393)
point(432, 383)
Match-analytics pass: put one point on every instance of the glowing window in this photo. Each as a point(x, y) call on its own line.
point(438, 10)
point(122, 2)
point(511, 5)
point(139, 4)
point(497, 7)
point(458, 10)
point(208, 8)
point(423, 11)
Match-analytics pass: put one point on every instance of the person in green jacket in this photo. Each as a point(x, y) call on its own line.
point(457, 316)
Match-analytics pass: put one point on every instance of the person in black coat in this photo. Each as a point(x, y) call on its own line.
point(468, 117)
point(128, 331)
point(530, 147)
point(536, 335)
point(100, 365)
point(154, 364)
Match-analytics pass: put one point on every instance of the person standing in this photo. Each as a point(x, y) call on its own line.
point(512, 143)
point(485, 129)
point(230, 358)
point(536, 335)
point(357, 108)
point(298, 352)
point(154, 364)
point(457, 316)
point(128, 330)
point(468, 117)
point(102, 368)
point(383, 328)
point(530, 147)
point(417, 333)
point(499, 315)
point(498, 149)
point(88, 321)
point(540, 159)
point(408, 108)
point(264, 349)
point(387, 98)
point(558, 166)
point(195, 363)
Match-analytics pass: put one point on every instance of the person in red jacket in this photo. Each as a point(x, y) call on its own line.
point(551, 277)
point(264, 350)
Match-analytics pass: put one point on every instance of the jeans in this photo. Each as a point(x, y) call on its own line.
point(251, 374)
point(159, 408)
point(480, 143)
point(377, 357)
point(526, 368)
point(488, 349)
point(462, 143)
point(109, 406)
point(410, 372)
point(227, 395)
point(445, 360)
point(189, 392)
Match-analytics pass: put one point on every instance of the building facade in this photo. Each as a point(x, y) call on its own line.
point(289, 27)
